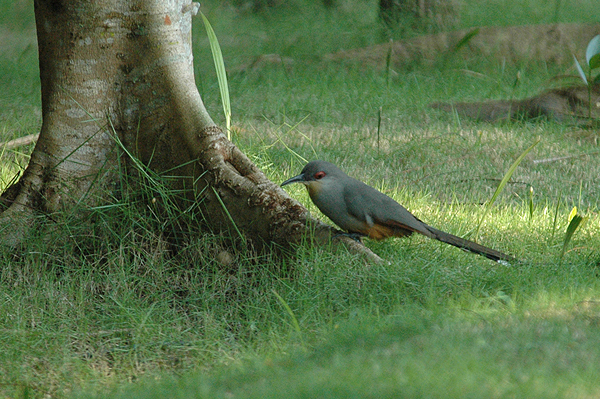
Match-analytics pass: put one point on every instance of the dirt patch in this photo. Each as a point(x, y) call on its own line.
point(553, 43)
point(570, 103)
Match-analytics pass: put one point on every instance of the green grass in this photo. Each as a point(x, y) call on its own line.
point(415, 353)
point(123, 305)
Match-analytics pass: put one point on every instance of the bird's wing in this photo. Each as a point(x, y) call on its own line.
point(374, 207)
point(358, 201)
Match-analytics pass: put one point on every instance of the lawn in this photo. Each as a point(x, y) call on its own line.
point(116, 309)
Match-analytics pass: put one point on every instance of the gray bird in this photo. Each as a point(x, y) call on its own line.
point(362, 210)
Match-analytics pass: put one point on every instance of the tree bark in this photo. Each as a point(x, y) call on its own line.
point(117, 84)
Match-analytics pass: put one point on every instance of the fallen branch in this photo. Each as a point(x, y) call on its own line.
point(21, 141)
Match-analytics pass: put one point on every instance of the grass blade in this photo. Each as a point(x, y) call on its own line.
point(555, 221)
point(531, 206)
point(465, 39)
point(221, 73)
point(229, 216)
point(379, 127)
point(388, 64)
point(288, 310)
point(505, 180)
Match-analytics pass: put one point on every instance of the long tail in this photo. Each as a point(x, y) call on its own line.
point(469, 246)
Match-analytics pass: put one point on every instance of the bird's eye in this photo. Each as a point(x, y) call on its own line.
point(319, 175)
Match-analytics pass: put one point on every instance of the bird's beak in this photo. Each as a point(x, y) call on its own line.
point(296, 179)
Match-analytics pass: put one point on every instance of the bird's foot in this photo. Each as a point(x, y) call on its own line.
point(355, 236)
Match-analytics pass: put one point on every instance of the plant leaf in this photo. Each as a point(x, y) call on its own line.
point(593, 49)
point(221, 73)
point(580, 70)
point(572, 214)
point(594, 62)
point(576, 221)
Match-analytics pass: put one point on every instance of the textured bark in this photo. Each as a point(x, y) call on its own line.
point(117, 79)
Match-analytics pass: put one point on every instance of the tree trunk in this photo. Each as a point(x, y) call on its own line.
point(117, 84)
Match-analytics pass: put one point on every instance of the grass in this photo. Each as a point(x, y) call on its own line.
point(123, 305)
point(469, 355)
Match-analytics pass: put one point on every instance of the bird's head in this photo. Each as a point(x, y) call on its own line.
point(316, 175)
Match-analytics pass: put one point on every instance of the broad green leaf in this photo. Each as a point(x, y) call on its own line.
point(592, 50)
point(580, 70)
point(594, 62)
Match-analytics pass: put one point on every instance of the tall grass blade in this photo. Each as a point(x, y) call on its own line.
point(288, 310)
point(221, 73)
point(388, 64)
point(465, 39)
point(505, 180)
point(283, 142)
point(531, 206)
point(229, 216)
point(379, 126)
point(555, 221)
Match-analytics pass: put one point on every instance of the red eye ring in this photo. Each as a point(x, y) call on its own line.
point(319, 175)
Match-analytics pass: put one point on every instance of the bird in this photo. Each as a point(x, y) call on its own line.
point(363, 211)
